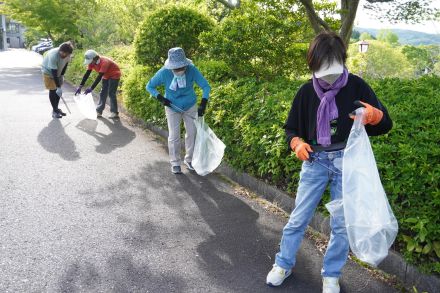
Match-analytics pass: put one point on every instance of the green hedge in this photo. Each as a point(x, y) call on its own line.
point(168, 27)
point(255, 40)
point(248, 116)
point(409, 162)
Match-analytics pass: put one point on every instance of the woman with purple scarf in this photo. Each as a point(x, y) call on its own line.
point(317, 130)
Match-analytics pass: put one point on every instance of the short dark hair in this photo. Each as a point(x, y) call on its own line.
point(326, 47)
point(66, 47)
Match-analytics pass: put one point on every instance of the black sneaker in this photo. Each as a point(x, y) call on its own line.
point(61, 112)
point(56, 115)
point(189, 166)
point(176, 170)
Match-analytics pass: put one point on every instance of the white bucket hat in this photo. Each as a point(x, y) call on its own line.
point(89, 55)
point(176, 59)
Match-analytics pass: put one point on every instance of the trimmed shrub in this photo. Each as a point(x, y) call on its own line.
point(138, 101)
point(214, 70)
point(171, 26)
point(256, 41)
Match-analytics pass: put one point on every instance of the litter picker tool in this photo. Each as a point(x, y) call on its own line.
point(65, 104)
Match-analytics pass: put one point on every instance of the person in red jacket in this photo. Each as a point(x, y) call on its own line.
point(109, 73)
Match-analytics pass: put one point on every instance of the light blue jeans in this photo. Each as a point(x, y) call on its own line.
point(324, 168)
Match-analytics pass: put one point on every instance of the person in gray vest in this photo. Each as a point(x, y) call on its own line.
point(54, 67)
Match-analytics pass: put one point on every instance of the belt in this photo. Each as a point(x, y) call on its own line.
point(330, 148)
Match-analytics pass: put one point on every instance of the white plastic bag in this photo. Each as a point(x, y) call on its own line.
point(371, 225)
point(208, 149)
point(86, 105)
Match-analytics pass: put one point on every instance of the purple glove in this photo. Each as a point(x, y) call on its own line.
point(88, 91)
point(78, 90)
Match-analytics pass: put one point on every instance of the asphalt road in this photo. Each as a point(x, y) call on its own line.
point(91, 206)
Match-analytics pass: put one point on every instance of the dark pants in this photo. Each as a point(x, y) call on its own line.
point(109, 88)
point(54, 99)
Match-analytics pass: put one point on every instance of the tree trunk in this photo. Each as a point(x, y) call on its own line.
point(348, 14)
point(50, 36)
point(317, 23)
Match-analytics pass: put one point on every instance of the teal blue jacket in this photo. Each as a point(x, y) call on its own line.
point(184, 98)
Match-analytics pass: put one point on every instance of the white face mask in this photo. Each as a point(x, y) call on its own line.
point(330, 78)
point(327, 72)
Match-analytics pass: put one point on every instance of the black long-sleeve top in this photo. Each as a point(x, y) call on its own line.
point(55, 75)
point(301, 121)
point(95, 83)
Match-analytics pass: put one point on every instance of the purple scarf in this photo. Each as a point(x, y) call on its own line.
point(327, 110)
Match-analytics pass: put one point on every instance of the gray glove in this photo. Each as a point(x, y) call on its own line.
point(59, 92)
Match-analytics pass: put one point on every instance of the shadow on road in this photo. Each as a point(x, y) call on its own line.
point(119, 135)
point(235, 255)
point(122, 274)
point(22, 80)
point(54, 139)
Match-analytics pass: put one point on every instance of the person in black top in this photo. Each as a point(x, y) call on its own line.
point(317, 129)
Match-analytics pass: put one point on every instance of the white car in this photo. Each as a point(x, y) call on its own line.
point(46, 43)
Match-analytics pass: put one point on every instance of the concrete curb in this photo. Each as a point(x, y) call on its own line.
point(393, 264)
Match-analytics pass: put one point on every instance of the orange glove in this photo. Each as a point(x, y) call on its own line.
point(371, 115)
point(300, 148)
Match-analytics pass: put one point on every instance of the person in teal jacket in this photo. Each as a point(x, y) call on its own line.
point(178, 75)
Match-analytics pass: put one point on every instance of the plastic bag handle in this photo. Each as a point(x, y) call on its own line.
point(359, 113)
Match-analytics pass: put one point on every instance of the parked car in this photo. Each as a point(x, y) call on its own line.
point(43, 44)
point(43, 49)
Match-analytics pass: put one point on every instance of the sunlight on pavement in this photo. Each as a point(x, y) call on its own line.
point(19, 58)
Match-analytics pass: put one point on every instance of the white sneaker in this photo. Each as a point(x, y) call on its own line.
point(113, 115)
point(330, 285)
point(189, 165)
point(277, 275)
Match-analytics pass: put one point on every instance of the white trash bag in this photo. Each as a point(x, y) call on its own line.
point(86, 105)
point(371, 225)
point(208, 149)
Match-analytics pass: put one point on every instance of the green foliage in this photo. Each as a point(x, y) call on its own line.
point(217, 10)
point(248, 116)
point(380, 61)
point(214, 70)
point(366, 36)
point(355, 35)
point(138, 101)
point(171, 26)
point(387, 36)
point(419, 58)
point(409, 162)
point(423, 58)
point(260, 42)
point(123, 56)
point(57, 18)
point(86, 22)
point(33, 37)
